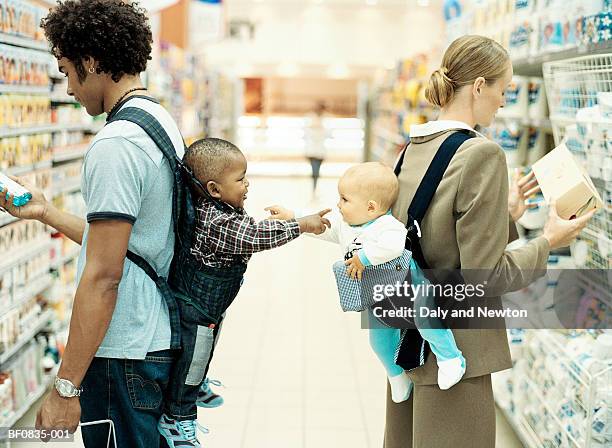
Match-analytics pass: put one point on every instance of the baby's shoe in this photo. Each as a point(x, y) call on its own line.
point(450, 372)
point(180, 433)
point(401, 387)
point(206, 397)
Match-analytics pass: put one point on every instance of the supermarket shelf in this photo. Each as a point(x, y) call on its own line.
point(42, 390)
point(24, 254)
point(66, 258)
point(76, 152)
point(27, 90)
point(46, 129)
point(532, 66)
point(24, 42)
point(38, 286)
point(21, 170)
point(27, 336)
point(72, 186)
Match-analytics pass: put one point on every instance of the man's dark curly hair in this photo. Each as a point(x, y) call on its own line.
point(113, 32)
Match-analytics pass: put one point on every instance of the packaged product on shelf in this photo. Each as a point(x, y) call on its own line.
point(537, 105)
point(24, 151)
point(23, 66)
point(21, 18)
point(517, 96)
point(511, 137)
point(561, 177)
point(20, 235)
point(22, 110)
point(68, 114)
point(536, 145)
point(520, 38)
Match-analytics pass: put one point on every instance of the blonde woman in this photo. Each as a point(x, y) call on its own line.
point(467, 226)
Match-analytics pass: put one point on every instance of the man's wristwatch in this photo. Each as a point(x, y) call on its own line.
point(66, 389)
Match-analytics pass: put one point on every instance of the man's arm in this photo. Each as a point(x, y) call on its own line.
point(96, 296)
point(70, 225)
point(93, 309)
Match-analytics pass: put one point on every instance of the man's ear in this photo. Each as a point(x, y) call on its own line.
point(213, 189)
point(478, 86)
point(90, 63)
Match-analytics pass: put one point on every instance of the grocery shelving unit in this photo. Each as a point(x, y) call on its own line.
point(58, 155)
point(393, 106)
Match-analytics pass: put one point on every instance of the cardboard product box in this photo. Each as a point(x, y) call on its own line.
point(560, 176)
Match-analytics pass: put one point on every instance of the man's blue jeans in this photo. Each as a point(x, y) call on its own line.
point(131, 394)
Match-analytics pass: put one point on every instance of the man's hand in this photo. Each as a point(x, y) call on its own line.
point(520, 189)
point(316, 223)
point(280, 213)
point(59, 413)
point(354, 267)
point(36, 208)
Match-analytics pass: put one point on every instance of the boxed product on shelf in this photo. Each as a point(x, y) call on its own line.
point(27, 379)
point(21, 18)
point(517, 98)
point(520, 43)
point(21, 235)
point(68, 114)
point(536, 144)
point(18, 321)
point(537, 105)
point(512, 137)
point(21, 66)
point(24, 151)
point(24, 110)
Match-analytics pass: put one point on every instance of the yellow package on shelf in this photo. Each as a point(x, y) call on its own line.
point(560, 176)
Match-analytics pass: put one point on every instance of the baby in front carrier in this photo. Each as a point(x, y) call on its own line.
point(225, 238)
point(370, 236)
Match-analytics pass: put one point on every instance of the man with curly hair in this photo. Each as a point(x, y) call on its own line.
point(118, 351)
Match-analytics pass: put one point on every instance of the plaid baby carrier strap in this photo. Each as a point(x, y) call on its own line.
point(358, 295)
point(413, 350)
point(210, 290)
point(183, 209)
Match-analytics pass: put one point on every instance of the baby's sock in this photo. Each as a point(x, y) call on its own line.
point(450, 372)
point(401, 386)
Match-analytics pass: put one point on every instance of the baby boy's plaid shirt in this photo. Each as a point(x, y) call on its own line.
point(226, 236)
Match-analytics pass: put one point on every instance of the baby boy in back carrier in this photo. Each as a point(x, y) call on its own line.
point(212, 272)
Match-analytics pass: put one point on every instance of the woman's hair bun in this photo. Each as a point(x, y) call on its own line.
point(441, 88)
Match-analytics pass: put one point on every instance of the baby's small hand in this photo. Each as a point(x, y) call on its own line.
point(354, 267)
point(280, 213)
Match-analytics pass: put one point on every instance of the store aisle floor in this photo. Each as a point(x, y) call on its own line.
point(298, 371)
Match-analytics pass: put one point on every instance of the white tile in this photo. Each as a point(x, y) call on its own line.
point(335, 438)
point(273, 438)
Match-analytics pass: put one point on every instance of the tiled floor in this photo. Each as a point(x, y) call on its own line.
point(298, 372)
